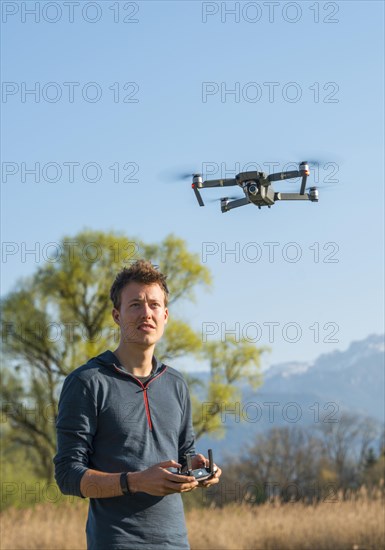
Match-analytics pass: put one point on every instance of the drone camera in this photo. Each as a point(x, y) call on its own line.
point(253, 189)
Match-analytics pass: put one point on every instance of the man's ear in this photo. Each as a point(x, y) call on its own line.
point(165, 315)
point(116, 316)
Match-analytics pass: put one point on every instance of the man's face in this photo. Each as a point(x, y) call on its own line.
point(142, 314)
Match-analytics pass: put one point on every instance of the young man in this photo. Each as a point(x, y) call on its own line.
point(124, 420)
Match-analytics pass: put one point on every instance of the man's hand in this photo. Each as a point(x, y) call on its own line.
point(200, 461)
point(158, 481)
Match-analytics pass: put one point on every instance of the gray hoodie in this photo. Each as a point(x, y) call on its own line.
point(109, 421)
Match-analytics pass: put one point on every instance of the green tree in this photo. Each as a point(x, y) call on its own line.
point(60, 316)
point(231, 361)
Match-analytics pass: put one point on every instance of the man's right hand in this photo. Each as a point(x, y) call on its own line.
point(158, 481)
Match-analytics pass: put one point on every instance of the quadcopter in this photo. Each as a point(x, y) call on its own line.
point(258, 189)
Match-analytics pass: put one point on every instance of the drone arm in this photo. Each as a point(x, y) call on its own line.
point(293, 174)
point(284, 175)
point(303, 184)
point(197, 194)
point(292, 197)
point(199, 184)
point(226, 206)
point(219, 183)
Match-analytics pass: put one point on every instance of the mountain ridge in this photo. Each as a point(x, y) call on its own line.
point(303, 393)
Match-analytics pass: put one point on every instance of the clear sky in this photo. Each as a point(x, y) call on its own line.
point(105, 98)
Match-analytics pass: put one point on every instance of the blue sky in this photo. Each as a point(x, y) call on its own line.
point(151, 93)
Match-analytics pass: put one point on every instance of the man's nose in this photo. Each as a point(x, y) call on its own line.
point(146, 310)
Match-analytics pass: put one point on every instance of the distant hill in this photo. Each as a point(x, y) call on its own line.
point(306, 393)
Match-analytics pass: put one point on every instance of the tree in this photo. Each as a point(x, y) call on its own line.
point(61, 315)
point(231, 360)
point(283, 462)
point(346, 444)
point(374, 468)
point(297, 462)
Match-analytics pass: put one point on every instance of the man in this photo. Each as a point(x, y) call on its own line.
point(124, 421)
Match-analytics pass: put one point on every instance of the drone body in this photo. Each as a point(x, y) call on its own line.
point(258, 189)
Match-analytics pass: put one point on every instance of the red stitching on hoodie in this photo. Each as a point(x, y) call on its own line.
point(147, 408)
point(144, 388)
point(146, 403)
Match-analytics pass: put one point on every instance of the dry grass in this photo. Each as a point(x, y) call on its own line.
point(44, 526)
point(328, 526)
point(356, 524)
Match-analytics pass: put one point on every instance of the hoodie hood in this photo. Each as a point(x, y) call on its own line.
point(108, 359)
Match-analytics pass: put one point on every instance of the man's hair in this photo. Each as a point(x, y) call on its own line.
point(142, 271)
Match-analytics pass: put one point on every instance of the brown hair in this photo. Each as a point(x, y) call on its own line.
point(142, 271)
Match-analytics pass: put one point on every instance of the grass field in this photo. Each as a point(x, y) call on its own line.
point(355, 524)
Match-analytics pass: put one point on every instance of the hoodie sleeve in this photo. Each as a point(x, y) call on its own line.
point(187, 435)
point(76, 426)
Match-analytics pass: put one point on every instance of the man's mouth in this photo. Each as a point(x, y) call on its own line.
point(146, 326)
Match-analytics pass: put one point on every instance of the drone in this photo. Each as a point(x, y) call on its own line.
point(258, 189)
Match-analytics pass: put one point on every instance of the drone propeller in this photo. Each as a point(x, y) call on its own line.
point(184, 175)
point(232, 198)
point(322, 160)
point(172, 176)
point(318, 161)
point(314, 161)
point(325, 187)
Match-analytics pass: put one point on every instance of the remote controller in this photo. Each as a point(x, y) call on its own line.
point(200, 474)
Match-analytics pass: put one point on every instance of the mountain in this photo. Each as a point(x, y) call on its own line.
point(353, 378)
point(307, 393)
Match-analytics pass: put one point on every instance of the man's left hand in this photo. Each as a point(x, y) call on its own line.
point(200, 461)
